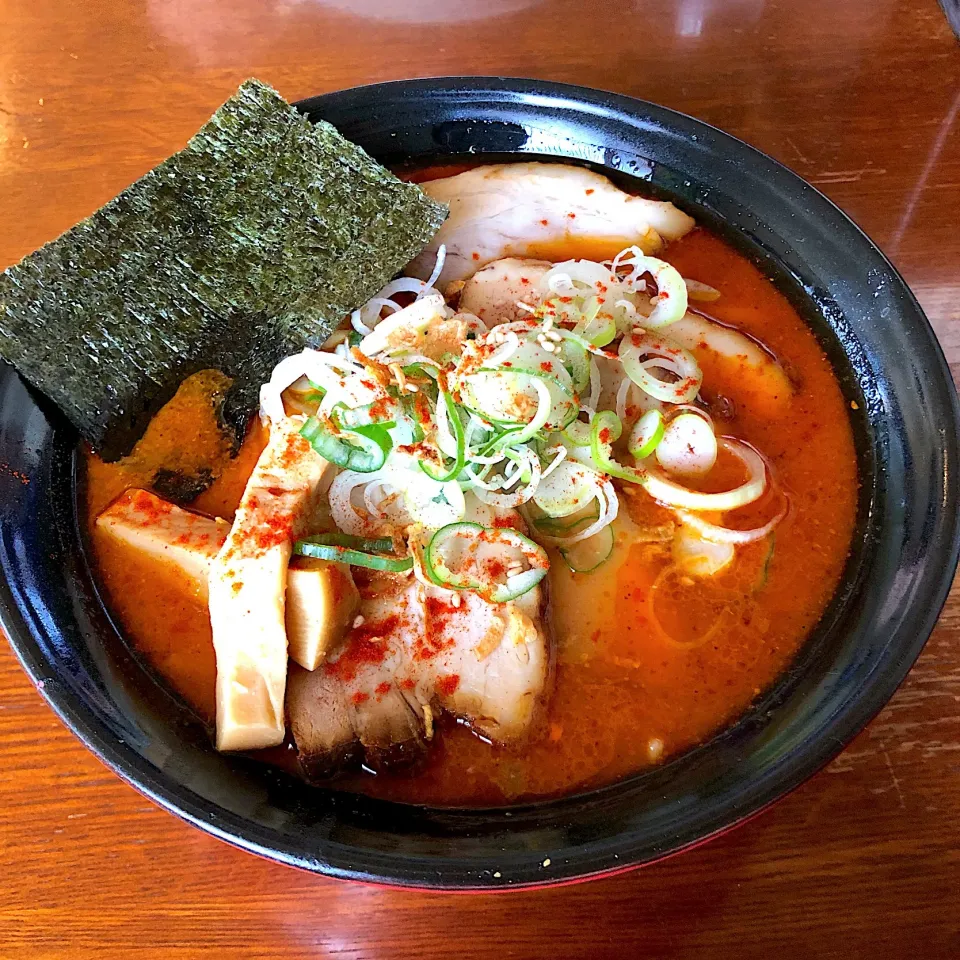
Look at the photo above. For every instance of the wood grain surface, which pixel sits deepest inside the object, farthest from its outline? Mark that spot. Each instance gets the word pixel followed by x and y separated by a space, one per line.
pixel 860 97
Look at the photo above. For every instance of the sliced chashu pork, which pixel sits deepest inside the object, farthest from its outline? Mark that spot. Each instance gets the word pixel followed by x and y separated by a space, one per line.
pixel 732 361
pixel 414 654
pixel 363 703
pixel 725 354
pixel 321 598
pixel 512 209
pixel 248 580
pixel 492 294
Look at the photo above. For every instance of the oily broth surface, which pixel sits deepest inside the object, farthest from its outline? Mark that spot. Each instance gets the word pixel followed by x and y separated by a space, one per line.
pixel 620 683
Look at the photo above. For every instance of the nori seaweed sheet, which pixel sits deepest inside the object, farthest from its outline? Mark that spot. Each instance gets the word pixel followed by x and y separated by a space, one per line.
pixel 182 487
pixel 251 243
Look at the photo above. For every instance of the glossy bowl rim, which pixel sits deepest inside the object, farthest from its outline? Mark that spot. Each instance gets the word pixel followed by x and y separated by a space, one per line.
pixel 829 740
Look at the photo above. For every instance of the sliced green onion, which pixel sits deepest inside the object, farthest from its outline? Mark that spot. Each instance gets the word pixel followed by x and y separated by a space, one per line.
pixel 689 446
pixel 663 355
pixel 601 330
pixel 328 551
pixel 407 423
pixel 577 432
pixel 544 408
pixel 519 585
pixel 456 426
pixel 505 438
pixel 354 417
pixel 433 564
pixel 418 369
pixel 666 491
pixel 363 449
pixel 589 309
pixel 604 431
pixel 595 329
pixel 569 488
pixel 586 555
pixel 570 524
pixel 498 388
pixel 315 394
pixel 437 569
pixel 378 545
pixel 646 434
pixel 576 359
pixel 670 303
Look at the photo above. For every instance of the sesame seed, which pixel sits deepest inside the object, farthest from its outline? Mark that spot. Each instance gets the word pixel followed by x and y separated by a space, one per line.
pixel 546 862
pixel 553 335
pixel 358 622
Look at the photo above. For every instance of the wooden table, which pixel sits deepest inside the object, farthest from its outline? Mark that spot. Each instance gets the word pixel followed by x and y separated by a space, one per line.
pixel 861 98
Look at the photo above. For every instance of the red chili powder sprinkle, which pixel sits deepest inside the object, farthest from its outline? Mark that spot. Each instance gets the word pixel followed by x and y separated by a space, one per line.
pixel 421 407
pixel 362 648
pixel 475 255
pixel 502 523
pixel 447 686
pixel 434 640
pixel 292 451
pixel 546 366
pixel 383 688
pixel 572 216
pixel 544 222
pixel 605 435
pixel 408 684
pixel 379 409
pixel 525 280
pixel 439 609
pixel 588 192
pixel 151 507
pixel 274 531
pixel 360 697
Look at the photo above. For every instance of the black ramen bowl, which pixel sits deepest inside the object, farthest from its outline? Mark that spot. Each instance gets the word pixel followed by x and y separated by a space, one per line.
pixel 903 409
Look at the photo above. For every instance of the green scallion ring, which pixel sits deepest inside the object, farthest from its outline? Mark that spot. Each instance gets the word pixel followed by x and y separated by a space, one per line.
pixel 379 545
pixel 357 558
